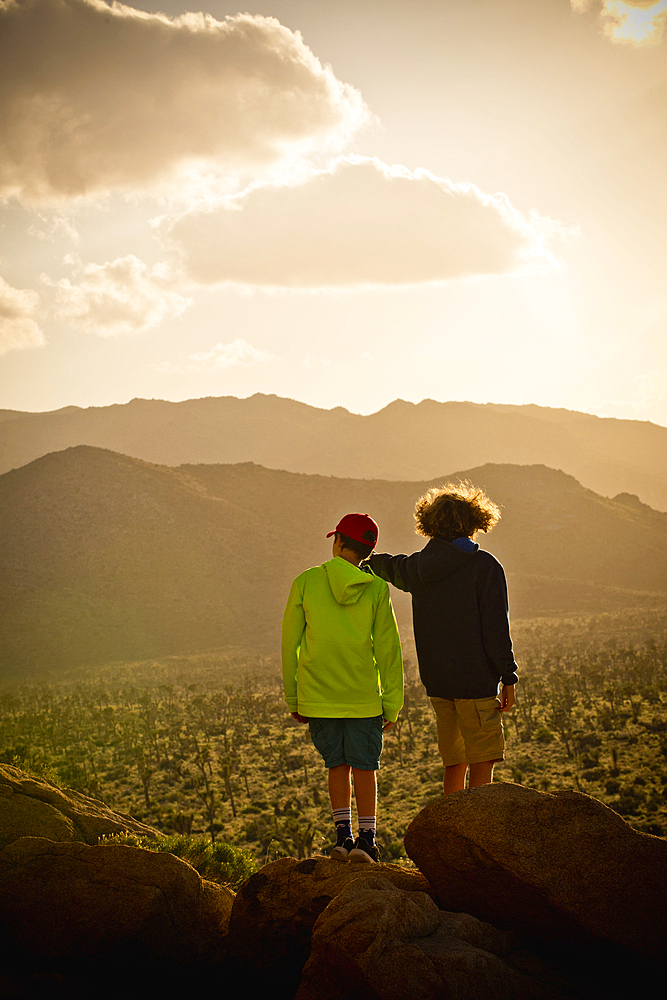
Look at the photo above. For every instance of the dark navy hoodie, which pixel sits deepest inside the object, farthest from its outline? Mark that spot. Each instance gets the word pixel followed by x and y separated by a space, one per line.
pixel 460 615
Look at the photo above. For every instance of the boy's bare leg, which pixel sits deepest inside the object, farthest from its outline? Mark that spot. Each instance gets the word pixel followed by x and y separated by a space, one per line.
pixel 455 777
pixel 481 774
pixel 365 791
pixel 339 786
pixel 365 794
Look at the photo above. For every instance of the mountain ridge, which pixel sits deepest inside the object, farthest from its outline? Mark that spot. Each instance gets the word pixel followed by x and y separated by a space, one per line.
pixel 105 557
pixel 402 442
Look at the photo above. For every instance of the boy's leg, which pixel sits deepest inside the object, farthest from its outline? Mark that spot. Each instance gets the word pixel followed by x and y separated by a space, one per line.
pixel 450 744
pixel 327 737
pixel 481 774
pixel 365 792
pixel 363 746
pixel 340 796
pixel 340 791
pixel 455 778
pixel 481 724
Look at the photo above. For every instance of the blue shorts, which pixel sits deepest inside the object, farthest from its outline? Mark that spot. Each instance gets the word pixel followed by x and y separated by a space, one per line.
pixel 356 742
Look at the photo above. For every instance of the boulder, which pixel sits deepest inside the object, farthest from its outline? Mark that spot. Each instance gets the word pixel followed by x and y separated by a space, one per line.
pixel 562 869
pixel 276 909
pixel 32 807
pixel 377 942
pixel 69 906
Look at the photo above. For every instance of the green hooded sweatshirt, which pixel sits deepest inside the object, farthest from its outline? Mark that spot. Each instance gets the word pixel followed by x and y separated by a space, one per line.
pixel 341 652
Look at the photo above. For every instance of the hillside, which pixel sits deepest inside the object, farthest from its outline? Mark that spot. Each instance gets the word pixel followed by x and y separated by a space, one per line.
pixel 403 441
pixel 105 557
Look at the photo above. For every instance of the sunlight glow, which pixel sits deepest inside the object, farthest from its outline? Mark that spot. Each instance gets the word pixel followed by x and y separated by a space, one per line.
pixel 630 23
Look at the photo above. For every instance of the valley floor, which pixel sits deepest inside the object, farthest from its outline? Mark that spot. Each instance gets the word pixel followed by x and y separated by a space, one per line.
pixel 204 745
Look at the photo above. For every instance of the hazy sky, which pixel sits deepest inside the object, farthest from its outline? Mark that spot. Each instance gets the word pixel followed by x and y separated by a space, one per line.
pixel 340 201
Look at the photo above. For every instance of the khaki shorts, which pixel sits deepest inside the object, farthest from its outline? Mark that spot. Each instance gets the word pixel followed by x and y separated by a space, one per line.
pixel 470 730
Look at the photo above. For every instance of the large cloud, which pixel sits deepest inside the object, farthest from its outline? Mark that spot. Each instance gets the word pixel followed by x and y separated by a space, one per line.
pixel 18 328
pixel 96 97
pixel 121 296
pixel 357 223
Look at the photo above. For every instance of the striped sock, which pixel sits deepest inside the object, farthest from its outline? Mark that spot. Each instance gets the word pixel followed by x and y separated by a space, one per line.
pixel 367 828
pixel 343 821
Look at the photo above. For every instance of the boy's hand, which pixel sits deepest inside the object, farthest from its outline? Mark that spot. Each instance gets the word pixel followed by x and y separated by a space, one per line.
pixel 387 725
pixel 507 697
pixel 299 718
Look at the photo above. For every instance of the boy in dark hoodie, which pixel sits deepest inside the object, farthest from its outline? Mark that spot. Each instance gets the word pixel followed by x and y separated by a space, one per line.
pixel 461 625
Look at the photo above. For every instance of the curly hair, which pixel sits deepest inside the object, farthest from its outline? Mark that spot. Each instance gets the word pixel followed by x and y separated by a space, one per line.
pixel 455 510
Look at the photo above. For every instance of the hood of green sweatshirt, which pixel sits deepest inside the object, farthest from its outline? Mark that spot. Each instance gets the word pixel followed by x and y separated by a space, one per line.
pixel 347 582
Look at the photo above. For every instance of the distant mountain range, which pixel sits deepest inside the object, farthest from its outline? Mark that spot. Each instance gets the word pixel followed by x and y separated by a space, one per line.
pixel 105 557
pixel 403 441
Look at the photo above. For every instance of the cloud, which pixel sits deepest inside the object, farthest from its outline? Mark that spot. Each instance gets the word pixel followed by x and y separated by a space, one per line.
pixel 315 362
pixel 649 388
pixel 637 23
pixel 55 228
pixel 18 329
pixel 237 354
pixel 119 297
pixel 358 223
pixel 96 98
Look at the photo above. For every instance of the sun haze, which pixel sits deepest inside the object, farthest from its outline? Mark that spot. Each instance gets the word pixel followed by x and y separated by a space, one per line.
pixel 340 203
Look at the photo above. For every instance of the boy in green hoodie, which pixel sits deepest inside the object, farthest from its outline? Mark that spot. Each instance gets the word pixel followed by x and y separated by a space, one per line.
pixel 343 675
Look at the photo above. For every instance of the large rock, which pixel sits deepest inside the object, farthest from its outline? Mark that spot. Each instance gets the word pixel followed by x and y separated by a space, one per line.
pixel 275 911
pixel 67 906
pixel 30 807
pixel 562 869
pixel 377 942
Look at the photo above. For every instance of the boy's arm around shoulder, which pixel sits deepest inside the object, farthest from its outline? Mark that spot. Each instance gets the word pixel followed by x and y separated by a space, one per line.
pixel 393 569
pixel 387 651
pixel 294 624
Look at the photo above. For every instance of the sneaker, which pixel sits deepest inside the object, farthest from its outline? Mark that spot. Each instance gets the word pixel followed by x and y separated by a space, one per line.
pixel 341 851
pixel 363 852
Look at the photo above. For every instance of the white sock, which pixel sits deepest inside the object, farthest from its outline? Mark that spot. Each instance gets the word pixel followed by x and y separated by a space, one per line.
pixel 343 822
pixel 367 825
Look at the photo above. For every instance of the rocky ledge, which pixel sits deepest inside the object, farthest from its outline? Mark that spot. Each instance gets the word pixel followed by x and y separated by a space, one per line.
pixel 515 894
pixel 30 807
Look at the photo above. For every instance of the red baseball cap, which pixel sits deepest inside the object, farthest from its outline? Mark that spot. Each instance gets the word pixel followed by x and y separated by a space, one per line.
pixel 355 525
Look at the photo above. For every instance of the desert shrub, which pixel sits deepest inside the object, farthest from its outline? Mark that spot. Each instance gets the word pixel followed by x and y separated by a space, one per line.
pixel 393 850
pixel 593 774
pixel 219 862
pixel 587 740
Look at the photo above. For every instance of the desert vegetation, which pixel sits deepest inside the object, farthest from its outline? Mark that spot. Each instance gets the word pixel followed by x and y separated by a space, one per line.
pixel 215 861
pixel 203 749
